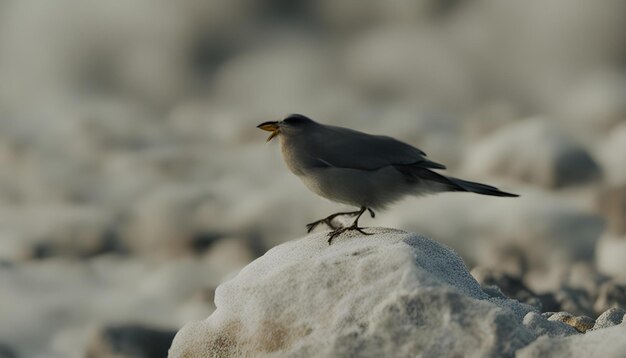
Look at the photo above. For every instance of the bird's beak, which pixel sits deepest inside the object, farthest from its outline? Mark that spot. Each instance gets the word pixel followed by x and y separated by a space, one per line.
pixel 270 127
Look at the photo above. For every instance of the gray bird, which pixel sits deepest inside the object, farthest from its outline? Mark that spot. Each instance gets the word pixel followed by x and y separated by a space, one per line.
pixel 359 169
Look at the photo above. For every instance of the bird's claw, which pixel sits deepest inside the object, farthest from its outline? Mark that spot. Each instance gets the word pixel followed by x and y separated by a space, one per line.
pixel 310 227
pixel 333 234
pixel 372 213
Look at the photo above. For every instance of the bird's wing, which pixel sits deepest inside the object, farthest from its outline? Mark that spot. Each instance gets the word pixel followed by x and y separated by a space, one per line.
pixel 346 148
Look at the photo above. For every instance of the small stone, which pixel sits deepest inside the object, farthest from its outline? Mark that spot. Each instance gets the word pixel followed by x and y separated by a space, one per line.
pixel 583 323
pixel 541 326
pixel 607 342
pixel 611 317
pixel 580 323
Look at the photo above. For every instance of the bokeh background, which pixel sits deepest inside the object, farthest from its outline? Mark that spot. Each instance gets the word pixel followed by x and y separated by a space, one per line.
pixel 133 180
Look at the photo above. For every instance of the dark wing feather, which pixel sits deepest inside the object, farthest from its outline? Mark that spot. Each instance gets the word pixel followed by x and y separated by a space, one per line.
pixel 345 148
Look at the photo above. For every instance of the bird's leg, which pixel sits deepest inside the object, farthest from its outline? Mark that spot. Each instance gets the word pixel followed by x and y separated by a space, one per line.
pixel 329 220
pixel 354 226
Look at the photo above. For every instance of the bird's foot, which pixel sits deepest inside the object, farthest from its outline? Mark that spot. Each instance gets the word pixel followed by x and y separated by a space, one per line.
pixel 313 225
pixel 329 220
pixel 333 234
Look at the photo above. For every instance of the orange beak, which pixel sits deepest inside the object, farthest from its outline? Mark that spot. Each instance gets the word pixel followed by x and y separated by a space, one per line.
pixel 270 127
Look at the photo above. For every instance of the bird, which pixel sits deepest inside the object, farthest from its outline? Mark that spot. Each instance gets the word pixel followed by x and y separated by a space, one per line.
pixel 359 169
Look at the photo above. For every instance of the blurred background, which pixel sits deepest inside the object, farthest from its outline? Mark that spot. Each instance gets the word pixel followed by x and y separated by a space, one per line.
pixel 133 180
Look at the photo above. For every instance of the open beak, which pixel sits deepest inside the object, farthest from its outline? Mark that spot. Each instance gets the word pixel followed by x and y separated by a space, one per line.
pixel 270 127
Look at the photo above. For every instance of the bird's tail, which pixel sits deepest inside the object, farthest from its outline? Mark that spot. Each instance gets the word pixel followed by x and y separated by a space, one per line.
pixel 479 188
pixel 445 183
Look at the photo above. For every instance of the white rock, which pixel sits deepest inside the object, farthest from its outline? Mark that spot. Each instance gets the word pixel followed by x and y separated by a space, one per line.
pixel 552 328
pixel 534 151
pixel 580 323
pixel 611 317
pixel 392 294
pixel 607 342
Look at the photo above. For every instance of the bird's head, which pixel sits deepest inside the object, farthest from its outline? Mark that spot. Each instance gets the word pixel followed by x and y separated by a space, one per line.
pixel 292 124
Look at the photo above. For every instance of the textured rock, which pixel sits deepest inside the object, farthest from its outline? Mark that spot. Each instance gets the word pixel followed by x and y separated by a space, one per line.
pixel 607 342
pixel 543 326
pixel 611 317
pixel 390 294
pixel 580 323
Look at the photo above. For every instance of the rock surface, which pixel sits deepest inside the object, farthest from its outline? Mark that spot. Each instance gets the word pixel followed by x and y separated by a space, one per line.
pixel 390 294
pixel 543 326
pixel 580 323
pixel 608 342
pixel 612 317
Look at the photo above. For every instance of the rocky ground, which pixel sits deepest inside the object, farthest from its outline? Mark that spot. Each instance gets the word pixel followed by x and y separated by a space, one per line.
pixel 133 180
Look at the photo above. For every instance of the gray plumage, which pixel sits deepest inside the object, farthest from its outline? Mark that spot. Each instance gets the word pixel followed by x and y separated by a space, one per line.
pixel 359 169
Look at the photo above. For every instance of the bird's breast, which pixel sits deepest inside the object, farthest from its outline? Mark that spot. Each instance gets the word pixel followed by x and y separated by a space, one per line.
pixel 297 159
